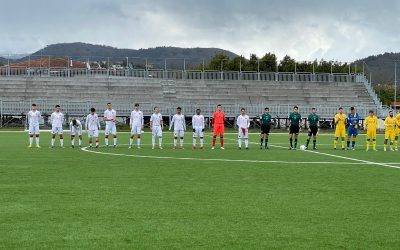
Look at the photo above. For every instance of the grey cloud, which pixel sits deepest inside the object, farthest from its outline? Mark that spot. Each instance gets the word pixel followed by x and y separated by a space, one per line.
pixel 308 29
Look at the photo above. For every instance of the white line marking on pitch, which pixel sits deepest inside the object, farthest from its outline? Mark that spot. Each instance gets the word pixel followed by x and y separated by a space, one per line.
pixel 360 162
pixel 209 159
pixel 338 156
pixel 347 158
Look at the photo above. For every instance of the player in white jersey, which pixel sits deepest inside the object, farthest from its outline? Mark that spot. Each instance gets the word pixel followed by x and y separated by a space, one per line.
pixel 156 126
pixel 57 120
pixel 110 117
pixel 136 124
pixel 33 119
pixel 92 127
pixel 75 127
pixel 198 128
pixel 243 123
pixel 179 123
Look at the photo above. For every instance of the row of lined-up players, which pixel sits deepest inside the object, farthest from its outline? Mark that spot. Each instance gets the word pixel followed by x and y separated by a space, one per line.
pixel 92 126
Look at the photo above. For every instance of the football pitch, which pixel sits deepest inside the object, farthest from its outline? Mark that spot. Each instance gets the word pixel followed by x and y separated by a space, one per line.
pixel 120 198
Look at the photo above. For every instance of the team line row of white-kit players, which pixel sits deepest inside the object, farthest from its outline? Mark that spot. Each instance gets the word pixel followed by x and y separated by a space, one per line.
pixel 92 126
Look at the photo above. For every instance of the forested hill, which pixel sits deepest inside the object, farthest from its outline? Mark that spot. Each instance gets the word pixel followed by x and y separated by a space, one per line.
pixel 91 50
pixel 382 67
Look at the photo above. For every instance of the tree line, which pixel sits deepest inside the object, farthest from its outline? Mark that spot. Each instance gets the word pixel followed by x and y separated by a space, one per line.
pixel 269 63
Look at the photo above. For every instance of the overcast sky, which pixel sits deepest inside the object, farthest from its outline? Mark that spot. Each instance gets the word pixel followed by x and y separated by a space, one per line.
pixel 336 29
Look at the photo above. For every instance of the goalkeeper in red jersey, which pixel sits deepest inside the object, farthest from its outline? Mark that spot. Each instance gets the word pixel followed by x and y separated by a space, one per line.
pixel 218 121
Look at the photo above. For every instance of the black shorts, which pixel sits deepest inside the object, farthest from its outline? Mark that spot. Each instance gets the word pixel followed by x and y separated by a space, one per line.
pixel 294 129
pixel 313 131
pixel 265 129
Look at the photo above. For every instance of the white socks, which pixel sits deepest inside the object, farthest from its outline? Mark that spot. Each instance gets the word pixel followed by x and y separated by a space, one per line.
pixel 195 141
pixel 246 142
pixel 180 142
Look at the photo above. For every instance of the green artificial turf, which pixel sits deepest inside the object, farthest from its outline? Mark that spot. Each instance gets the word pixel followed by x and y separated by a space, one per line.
pixel 120 198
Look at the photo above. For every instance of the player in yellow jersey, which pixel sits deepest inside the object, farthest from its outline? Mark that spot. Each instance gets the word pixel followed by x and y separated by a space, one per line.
pixel 340 123
pixel 371 124
pixel 397 132
pixel 390 124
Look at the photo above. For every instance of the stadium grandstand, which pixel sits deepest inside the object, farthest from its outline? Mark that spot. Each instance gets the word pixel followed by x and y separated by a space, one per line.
pixel 78 85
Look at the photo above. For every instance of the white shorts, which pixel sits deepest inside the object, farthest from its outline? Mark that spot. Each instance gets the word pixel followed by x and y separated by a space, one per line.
pixel 34 130
pixel 76 130
pixel 110 129
pixel 57 130
pixel 93 133
pixel 243 133
pixel 156 131
pixel 198 132
pixel 136 129
pixel 179 133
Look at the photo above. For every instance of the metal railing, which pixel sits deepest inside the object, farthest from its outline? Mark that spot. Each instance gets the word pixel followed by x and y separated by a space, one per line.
pixel 7 71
